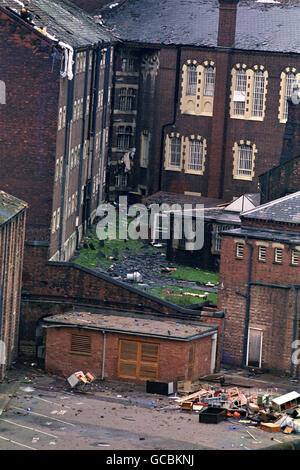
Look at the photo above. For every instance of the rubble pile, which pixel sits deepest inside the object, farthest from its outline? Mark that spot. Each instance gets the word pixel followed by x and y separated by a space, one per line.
pixel 270 411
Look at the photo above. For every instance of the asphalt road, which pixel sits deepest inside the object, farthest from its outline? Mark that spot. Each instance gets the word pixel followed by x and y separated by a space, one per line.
pixel 48 416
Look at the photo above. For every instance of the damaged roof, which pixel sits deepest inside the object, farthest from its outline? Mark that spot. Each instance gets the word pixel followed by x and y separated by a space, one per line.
pixel 133 324
pixel 285 209
pixel 64 20
pixel 10 206
pixel 260 25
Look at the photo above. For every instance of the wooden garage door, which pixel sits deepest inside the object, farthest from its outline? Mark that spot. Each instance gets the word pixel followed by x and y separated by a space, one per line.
pixel 138 360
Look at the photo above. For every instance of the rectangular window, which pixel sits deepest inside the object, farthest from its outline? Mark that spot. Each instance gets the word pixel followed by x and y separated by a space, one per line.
pixel 217 237
pixel 138 360
pixel 245 160
pixel 191 86
pixel 289 83
pixel 258 94
pixel 124 137
pixel 53 222
pixel 262 251
pixel 175 152
pixel 196 155
pixel 278 255
pixel 295 257
pixel 81 344
pixel 126 99
pixel 209 81
pixel 240 92
pixel 240 250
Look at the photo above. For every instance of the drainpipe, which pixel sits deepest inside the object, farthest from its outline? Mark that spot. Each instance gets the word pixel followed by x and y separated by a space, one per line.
pixel 3 280
pixel 103 354
pixel 248 299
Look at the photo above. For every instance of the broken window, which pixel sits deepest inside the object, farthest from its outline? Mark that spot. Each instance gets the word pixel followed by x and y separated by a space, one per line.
pixel 124 137
pixel 240 92
pixel 126 99
pixel 290 80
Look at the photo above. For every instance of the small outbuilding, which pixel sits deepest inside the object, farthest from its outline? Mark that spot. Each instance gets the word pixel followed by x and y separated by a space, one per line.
pixel 130 348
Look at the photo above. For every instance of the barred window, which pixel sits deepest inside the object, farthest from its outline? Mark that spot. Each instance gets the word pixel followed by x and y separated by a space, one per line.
pixel 124 137
pixel 258 93
pixel 175 152
pixel 196 155
pixel 191 86
pixel 121 181
pixel 217 237
pixel 209 81
pixel 240 250
pixel 295 257
pixel 278 255
pixel 240 92
pixel 290 81
pixel 262 251
pixel 126 99
pixel 245 160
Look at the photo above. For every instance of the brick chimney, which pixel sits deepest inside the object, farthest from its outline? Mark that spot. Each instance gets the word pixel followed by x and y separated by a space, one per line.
pixel 91 5
pixel 227 22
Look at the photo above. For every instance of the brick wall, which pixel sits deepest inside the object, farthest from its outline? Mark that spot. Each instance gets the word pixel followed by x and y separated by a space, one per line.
pixel 173 355
pixel 12 236
pixel 272 308
pixel 28 122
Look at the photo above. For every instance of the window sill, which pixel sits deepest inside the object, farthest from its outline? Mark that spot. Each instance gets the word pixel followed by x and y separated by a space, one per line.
pixel 238 258
pixel 277 262
pixel 244 178
pixel 172 169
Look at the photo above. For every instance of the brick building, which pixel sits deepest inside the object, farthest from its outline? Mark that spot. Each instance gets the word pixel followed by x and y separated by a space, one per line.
pixel 12 236
pixel 259 286
pixel 200 92
pixel 129 347
pixel 56 82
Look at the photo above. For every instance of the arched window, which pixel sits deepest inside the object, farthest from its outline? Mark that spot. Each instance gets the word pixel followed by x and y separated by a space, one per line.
pixel 290 79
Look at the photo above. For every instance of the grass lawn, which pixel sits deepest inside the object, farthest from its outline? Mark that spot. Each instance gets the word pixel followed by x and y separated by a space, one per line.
pixel 115 251
pixel 187 273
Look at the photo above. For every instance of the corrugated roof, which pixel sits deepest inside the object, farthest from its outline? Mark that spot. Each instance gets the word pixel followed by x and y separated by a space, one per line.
pixel 65 21
pixel 9 207
pixel 260 25
pixel 285 209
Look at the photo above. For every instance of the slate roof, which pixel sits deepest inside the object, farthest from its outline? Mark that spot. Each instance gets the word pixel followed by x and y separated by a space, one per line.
pixel 65 21
pixel 10 206
pixel 285 209
pixel 288 237
pixel 133 324
pixel 261 26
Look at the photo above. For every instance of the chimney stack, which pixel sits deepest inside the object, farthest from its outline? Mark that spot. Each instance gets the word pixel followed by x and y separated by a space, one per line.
pixel 227 22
